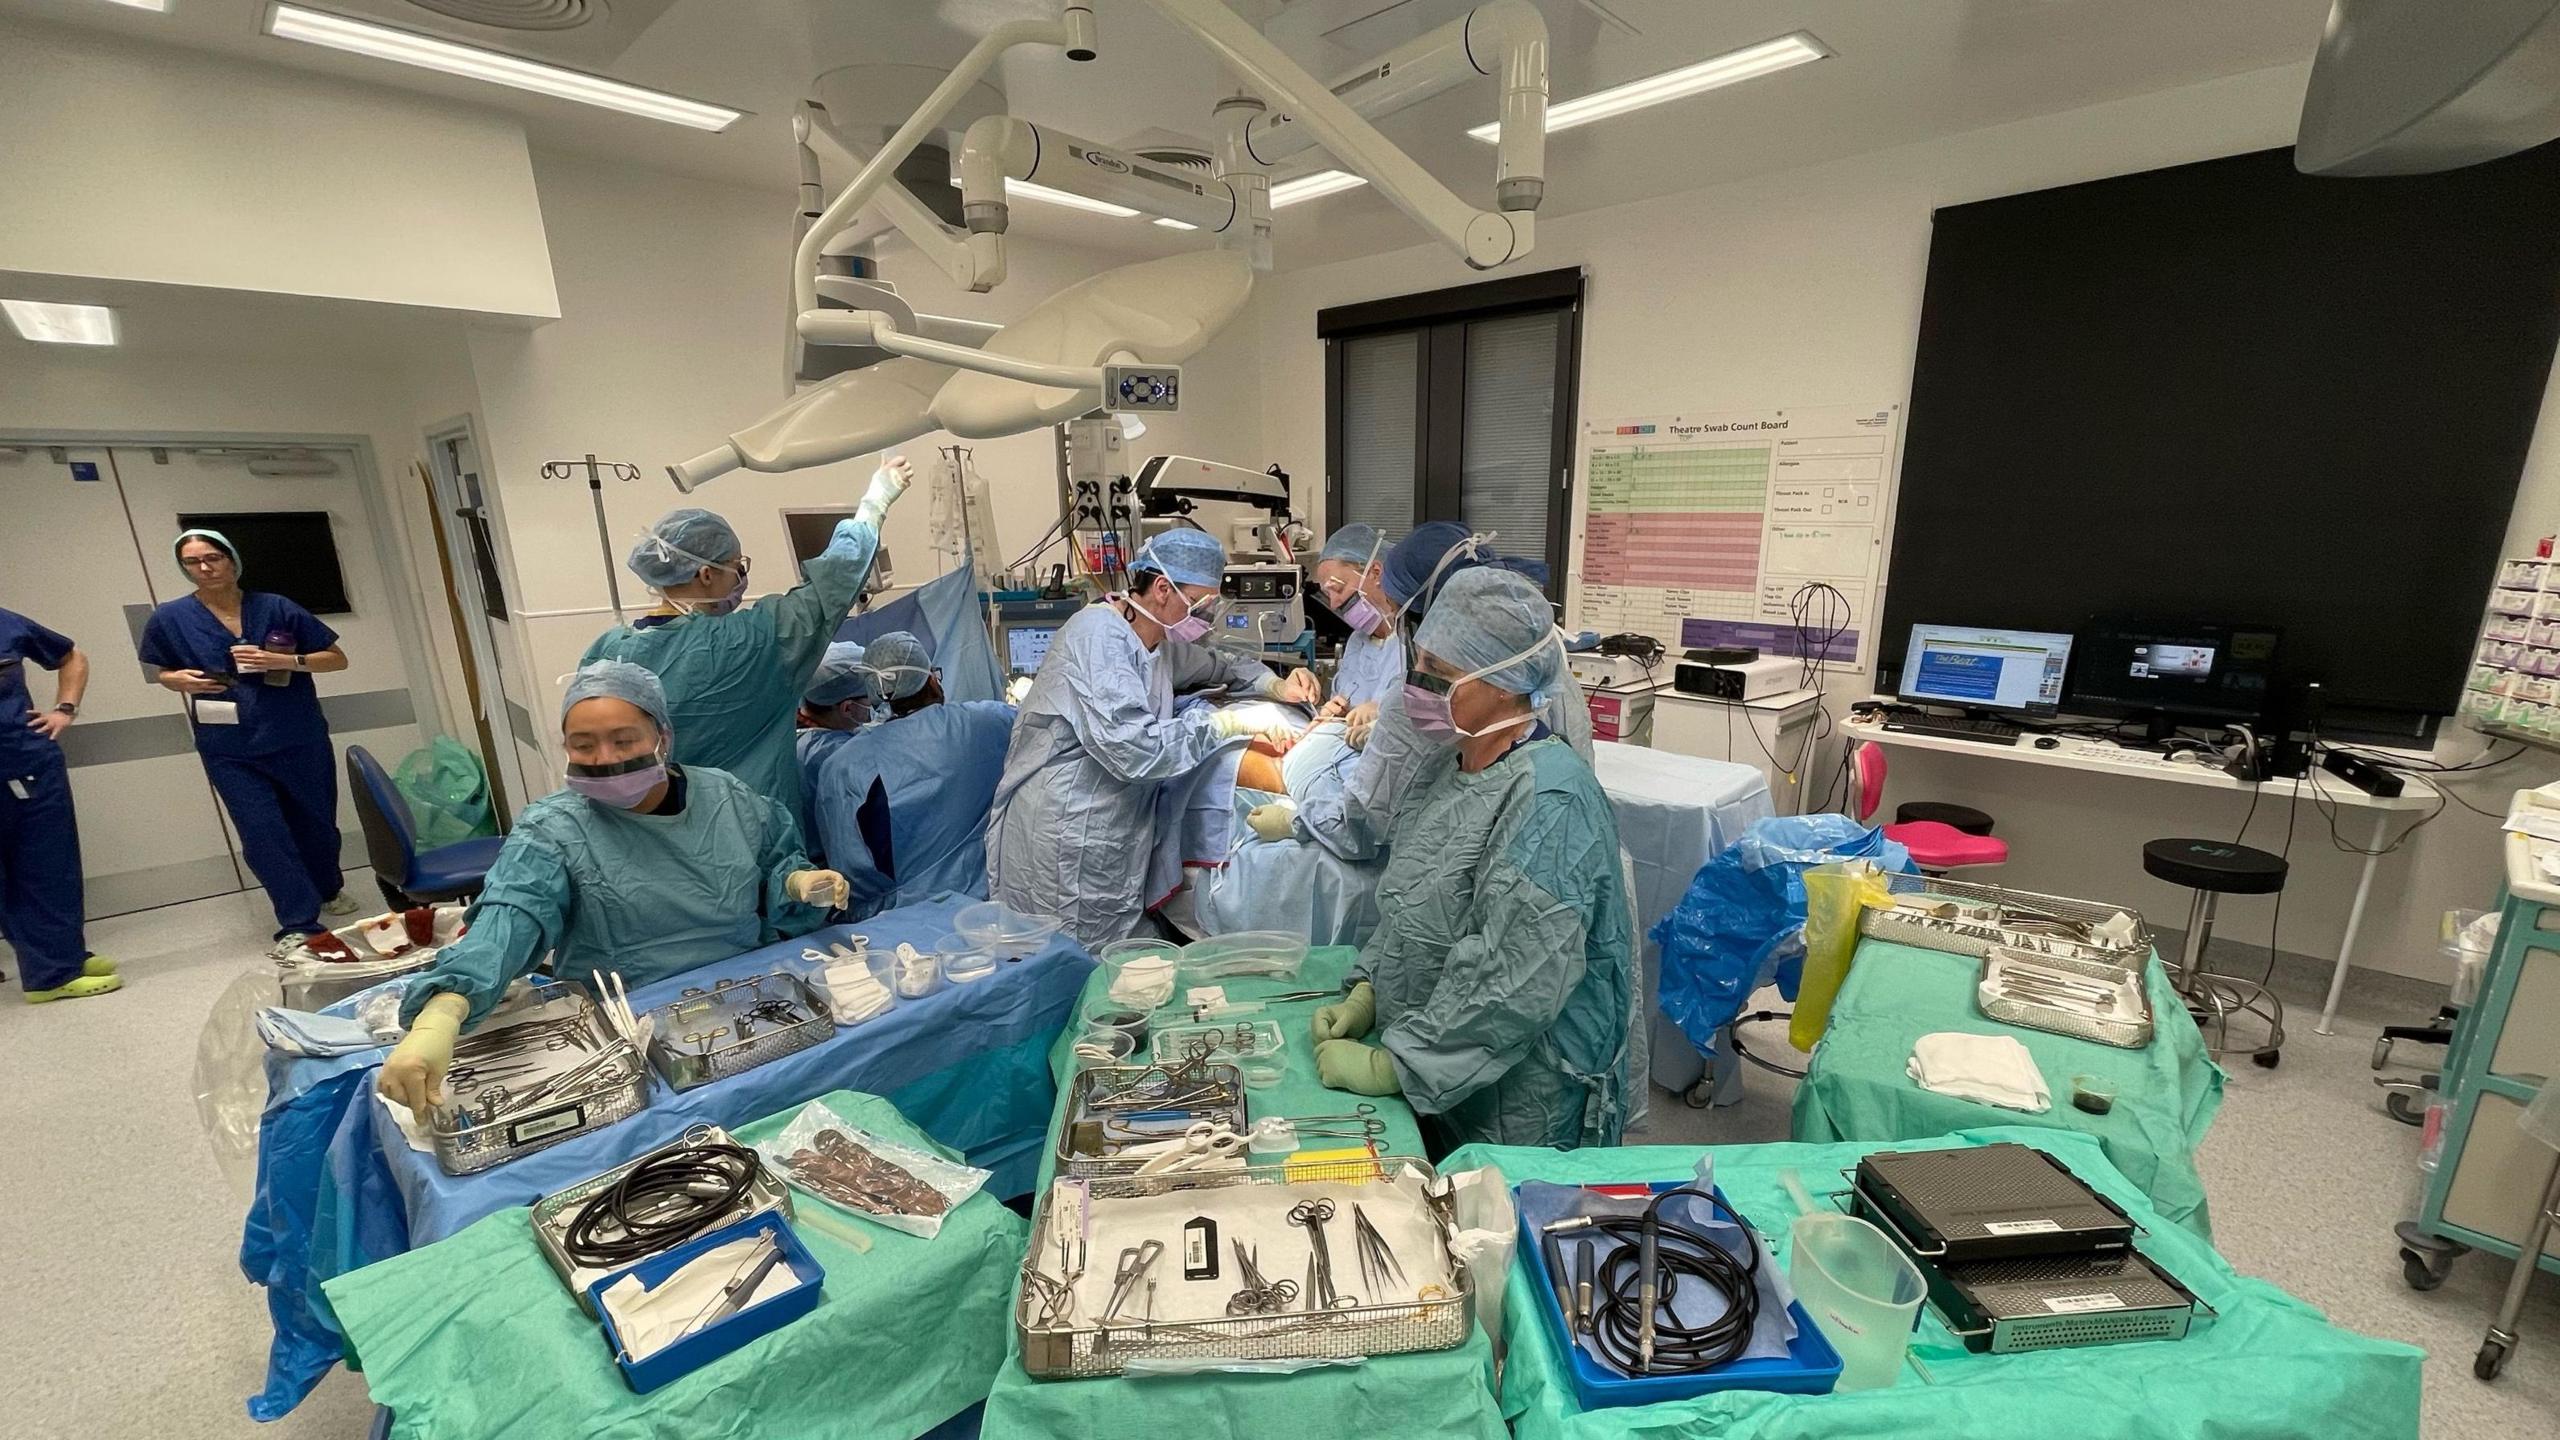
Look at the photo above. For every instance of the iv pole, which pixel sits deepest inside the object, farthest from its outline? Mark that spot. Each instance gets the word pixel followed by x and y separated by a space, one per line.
pixel 596 471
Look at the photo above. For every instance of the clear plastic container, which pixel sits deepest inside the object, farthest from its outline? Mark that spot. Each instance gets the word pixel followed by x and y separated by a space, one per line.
pixel 1141 974
pixel 1103 1047
pixel 1002 931
pixel 914 973
pixel 1861 1290
pixel 964 961
pixel 1105 1013
pixel 856 988
pixel 2469 937
pixel 1272 953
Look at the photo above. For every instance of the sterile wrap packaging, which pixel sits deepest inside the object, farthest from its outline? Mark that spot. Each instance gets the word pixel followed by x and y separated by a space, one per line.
pixel 1834 897
pixel 813 1132
pixel 1488 1232
pixel 231 1076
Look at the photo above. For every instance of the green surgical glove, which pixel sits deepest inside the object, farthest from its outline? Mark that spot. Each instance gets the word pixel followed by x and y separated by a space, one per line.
pixel 413 1074
pixel 1275 821
pixel 1359 1068
pixel 1351 1018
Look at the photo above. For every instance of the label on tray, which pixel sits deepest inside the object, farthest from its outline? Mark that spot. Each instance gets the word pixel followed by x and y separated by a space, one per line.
pixel 542 1127
pixel 2083 1304
pixel 2020 1227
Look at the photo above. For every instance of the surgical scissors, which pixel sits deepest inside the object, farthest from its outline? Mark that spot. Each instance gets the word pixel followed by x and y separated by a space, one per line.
pixel 1203 1144
pixel 1133 1267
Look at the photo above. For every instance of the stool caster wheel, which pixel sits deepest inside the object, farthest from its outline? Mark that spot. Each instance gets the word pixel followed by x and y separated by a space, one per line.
pixel 2403 1106
pixel 2424 1271
pixel 2381 1052
pixel 1700 1095
pixel 2491 1359
pixel 2266 1059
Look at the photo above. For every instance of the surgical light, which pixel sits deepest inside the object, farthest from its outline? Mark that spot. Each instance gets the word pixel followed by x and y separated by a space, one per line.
pixel 53 324
pixel 1025 190
pixel 160 6
pixel 1308 187
pixel 381 42
pixel 1749 63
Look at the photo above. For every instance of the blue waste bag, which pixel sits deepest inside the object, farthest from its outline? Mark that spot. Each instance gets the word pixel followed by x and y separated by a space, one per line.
pixel 1742 923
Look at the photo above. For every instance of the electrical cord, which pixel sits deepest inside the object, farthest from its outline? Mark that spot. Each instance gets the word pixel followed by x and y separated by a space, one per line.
pixel 1684 1256
pixel 659 1203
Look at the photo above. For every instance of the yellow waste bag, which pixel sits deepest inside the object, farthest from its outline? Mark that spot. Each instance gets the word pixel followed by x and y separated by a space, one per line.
pixel 1834 895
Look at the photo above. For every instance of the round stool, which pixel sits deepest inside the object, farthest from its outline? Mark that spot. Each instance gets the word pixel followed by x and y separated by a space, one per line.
pixel 2212 869
pixel 1962 817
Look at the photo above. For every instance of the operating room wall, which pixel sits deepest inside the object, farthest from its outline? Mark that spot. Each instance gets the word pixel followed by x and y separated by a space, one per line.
pixel 131 161
pixel 1804 288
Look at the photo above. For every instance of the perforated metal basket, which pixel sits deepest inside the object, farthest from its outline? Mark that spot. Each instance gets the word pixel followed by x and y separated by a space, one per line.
pixel 1964 917
pixel 1101 1160
pixel 2128 1027
pixel 1065 1352
pixel 742 1041
pixel 553 1212
pixel 474 1132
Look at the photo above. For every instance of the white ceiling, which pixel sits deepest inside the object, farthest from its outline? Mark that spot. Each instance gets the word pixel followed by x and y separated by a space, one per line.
pixel 1903 70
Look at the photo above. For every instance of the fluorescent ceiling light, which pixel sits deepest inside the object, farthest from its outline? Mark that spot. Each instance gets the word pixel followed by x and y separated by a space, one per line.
pixel 1750 63
pixel 1025 190
pixel 62 324
pixel 162 6
pixel 381 42
pixel 1170 223
pixel 1308 187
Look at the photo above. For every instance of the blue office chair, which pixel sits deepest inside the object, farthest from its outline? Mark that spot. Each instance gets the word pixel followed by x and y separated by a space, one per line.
pixel 408 878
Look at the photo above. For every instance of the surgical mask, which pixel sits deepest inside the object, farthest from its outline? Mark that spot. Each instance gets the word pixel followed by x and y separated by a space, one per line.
pixel 1193 627
pixel 1426 698
pixel 622 784
pixel 1359 614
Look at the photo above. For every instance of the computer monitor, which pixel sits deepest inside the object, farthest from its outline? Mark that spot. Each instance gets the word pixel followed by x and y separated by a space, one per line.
pixel 2173 671
pixel 1980 669
pixel 1025 646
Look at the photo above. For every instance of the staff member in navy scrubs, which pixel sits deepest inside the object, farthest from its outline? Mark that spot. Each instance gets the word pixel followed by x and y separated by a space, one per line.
pixel 39 843
pixel 244 659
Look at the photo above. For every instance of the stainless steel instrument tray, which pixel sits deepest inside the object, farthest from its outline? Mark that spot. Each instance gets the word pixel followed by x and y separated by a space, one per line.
pixel 2127 1026
pixel 552 1213
pixel 1964 917
pixel 745 1041
pixel 475 1131
pixel 1101 1160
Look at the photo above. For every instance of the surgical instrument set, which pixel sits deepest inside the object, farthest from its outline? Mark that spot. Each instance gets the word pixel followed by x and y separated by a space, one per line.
pixel 541 1069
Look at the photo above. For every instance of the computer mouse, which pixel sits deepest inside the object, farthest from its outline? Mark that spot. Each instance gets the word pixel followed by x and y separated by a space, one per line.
pixel 2047 742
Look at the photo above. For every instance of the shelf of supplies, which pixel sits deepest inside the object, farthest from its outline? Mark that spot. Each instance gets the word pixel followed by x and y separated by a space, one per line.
pixel 2521 737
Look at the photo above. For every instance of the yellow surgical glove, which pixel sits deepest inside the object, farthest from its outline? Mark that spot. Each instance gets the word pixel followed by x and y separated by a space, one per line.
pixel 824 889
pixel 1349 1018
pixel 1275 821
pixel 413 1074
pixel 1358 1068
pixel 1357 725
pixel 1254 721
pixel 1302 688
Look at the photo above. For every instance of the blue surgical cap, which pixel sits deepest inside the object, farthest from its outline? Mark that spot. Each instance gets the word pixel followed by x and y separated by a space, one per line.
pixel 840 676
pixel 217 540
pixel 685 541
pixel 1409 565
pixel 898 660
pixel 619 680
pixel 1186 556
pixel 1484 619
pixel 1352 545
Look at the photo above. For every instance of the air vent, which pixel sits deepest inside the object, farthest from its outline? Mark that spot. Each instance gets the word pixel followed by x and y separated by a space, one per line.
pixel 581 34
pixel 520 14
pixel 1186 160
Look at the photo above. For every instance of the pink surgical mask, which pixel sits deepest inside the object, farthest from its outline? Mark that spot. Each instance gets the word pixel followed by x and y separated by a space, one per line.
pixel 1193 627
pixel 622 784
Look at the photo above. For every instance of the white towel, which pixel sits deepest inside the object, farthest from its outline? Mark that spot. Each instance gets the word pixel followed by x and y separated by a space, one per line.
pixel 1992 1069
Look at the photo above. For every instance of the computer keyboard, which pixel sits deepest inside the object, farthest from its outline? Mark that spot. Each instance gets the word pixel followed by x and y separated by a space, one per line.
pixel 1989 732
pixel 2120 755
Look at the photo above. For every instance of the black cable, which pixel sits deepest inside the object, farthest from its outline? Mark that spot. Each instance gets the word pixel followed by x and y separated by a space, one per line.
pixel 659 1203
pixel 1685 1256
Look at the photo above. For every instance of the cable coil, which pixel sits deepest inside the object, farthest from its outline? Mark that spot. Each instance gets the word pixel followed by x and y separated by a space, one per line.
pixel 661 1202
pixel 1685 1256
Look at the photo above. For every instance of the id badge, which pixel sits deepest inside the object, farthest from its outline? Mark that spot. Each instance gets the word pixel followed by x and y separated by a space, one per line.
pixel 217 712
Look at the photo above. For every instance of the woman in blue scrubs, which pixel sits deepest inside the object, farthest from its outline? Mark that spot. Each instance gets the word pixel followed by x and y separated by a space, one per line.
pixel 40 899
pixel 244 661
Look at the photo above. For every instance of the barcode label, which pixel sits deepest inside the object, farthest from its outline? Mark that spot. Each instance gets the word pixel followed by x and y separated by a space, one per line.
pixel 2020 1227
pixel 2081 1304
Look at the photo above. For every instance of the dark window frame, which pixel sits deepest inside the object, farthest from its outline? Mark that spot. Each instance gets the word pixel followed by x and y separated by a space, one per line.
pixel 1442 318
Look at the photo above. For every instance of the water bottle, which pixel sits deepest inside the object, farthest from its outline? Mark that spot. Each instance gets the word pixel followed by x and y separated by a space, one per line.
pixel 280 641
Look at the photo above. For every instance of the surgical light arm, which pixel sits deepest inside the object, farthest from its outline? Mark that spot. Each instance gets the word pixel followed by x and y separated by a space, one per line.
pixel 921 228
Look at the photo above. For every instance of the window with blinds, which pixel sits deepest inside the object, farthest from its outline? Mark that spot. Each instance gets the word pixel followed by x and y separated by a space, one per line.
pixel 1457 405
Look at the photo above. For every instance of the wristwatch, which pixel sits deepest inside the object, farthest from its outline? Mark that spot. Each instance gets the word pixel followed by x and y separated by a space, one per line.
pixel 68 707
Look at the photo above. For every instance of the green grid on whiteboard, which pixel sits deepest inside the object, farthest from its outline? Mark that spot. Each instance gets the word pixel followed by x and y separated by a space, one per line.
pixel 1682 477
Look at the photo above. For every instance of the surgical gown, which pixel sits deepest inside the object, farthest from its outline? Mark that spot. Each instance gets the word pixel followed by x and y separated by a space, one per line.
pixel 1077 816
pixel 646 895
pixel 1504 960
pixel 734 681
pixel 1370 669
pixel 938 767
pixel 1353 816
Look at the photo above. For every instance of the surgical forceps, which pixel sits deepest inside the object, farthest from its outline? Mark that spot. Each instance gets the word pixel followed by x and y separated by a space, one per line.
pixel 1134 1264
pixel 1258 1297
pixel 1311 1215
pixel 1361 1124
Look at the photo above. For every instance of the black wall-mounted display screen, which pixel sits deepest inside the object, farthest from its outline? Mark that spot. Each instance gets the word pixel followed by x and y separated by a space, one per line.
pixel 2231 393
pixel 283 552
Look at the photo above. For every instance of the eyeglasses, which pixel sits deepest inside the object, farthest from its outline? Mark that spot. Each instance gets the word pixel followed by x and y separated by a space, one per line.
pixel 1425 680
pixel 201 562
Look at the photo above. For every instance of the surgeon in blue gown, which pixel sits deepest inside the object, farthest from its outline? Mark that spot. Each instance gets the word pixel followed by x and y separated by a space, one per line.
pixel 1078 809
pixel 244 661
pixel 735 672
pixel 1498 993
pixel 641 866
pixel 935 762
pixel 1349 577
pixel 40 890
pixel 838 702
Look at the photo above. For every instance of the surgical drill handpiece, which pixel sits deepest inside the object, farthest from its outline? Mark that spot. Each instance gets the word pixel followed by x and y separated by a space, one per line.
pixel 1556 1272
pixel 1648 1274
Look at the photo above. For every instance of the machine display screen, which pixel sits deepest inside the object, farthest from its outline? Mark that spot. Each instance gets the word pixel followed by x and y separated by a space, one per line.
pixel 2167 661
pixel 1985 669
pixel 1025 646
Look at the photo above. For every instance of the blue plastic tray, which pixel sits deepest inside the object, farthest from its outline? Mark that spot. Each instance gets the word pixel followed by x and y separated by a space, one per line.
pixel 1810 1367
pixel 704 1346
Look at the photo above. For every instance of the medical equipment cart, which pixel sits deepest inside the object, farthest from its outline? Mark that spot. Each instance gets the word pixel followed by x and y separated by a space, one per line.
pixel 2496 1187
